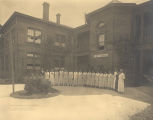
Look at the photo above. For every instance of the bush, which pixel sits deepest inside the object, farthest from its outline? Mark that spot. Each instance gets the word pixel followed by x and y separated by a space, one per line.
pixel 35 84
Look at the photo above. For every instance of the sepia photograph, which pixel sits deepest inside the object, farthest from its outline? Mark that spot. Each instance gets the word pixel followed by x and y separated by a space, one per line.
pixel 76 59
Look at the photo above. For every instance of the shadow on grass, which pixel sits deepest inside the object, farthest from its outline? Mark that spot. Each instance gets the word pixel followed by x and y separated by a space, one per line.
pixel 24 95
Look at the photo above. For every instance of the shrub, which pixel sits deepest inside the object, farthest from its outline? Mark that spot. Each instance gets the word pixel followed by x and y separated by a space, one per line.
pixel 36 84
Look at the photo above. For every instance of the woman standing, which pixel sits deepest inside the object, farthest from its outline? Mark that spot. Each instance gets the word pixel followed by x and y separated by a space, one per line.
pixel 121 82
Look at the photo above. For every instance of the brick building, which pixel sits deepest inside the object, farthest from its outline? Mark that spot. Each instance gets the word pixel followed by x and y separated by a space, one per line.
pixel 118 35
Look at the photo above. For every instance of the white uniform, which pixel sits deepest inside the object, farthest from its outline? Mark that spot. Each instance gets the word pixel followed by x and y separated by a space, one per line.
pixel 92 79
pixel 105 80
pixel 66 78
pixel 71 78
pixel 114 80
pixel 109 81
pixel 56 78
pixel 60 77
pixel 121 82
pixel 47 75
pixel 87 81
pixel 83 78
pixel 52 78
pixel 75 79
pixel 99 80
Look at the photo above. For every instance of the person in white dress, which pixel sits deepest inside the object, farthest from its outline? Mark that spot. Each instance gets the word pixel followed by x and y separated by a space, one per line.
pixel 99 80
pixel 60 77
pixel 64 78
pixel 93 79
pixel 105 80
pixel 70 78
pixel 109 81
pixel 87 81
pixel 102 80
pixel 121 82
pixel 52 78
pixel 114 80
pixel 56 78
pixel 47 75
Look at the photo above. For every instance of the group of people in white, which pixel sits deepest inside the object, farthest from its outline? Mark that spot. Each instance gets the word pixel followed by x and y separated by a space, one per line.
pixel 114 81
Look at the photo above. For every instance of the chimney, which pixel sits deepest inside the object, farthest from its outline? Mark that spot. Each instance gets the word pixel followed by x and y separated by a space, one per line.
pixel 58 18
pixel 46 11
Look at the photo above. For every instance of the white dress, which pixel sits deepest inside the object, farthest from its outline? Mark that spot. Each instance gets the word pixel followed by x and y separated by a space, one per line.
pixel 100 80
pixel 52 78
pixel 56 78
pixel 121 82
pixel 114 80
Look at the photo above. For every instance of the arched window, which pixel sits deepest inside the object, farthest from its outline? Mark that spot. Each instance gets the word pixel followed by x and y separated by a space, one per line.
pixel 101 24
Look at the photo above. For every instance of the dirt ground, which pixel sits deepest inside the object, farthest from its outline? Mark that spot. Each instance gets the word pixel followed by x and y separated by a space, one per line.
pixel 79 103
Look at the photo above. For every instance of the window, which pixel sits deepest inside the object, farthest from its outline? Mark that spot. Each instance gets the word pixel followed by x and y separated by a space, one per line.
pixel 38 41
pixel 34 36
pixel 30 39
pixel 29 66
pixel 34 66
pixel 60 41
pixel 63 44
pixel 57 44
pixel 30 32
pixel 30 55
pixel 101 41
pixel 33 55
pixel 37 55
pixel 101 24
pixel 37 67
pixel 37 33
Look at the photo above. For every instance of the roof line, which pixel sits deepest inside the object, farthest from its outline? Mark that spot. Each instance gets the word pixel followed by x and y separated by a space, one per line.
pixel 108 6
pixel 38 19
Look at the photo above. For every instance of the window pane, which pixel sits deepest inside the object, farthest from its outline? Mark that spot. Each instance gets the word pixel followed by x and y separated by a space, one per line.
pixel 30 32
pixel 37 55
pixel 37 33
pixel 38 41
pixel 63 44
pixel 30 55
pixel 29 67
pixel 30 39
pixel 101 39
pixel 101 24
pixel 37 67
pixel 57 44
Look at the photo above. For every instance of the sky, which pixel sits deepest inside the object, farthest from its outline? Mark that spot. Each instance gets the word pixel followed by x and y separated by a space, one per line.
pixel 72 11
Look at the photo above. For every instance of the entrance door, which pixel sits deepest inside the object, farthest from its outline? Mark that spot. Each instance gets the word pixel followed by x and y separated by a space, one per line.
pixel 83 63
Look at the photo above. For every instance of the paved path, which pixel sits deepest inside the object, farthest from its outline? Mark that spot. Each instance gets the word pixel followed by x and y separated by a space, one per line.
pixel 73 103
